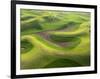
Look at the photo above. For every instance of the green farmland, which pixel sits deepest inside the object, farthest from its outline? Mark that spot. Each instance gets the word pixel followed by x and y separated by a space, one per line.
pixel 54 39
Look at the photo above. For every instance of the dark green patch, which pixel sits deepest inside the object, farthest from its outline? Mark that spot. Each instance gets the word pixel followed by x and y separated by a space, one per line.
pixel 62 63
pixel 26 46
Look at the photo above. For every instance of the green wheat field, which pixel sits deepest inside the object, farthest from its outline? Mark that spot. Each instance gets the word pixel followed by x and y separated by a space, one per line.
pixel 54 39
